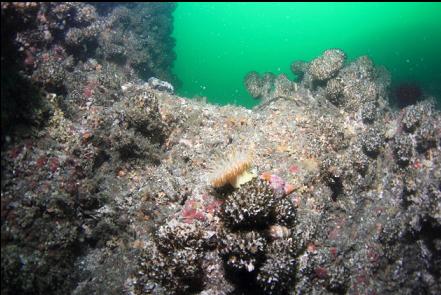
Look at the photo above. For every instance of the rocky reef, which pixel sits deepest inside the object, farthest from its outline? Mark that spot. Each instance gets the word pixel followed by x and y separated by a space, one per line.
pixel 110 191
pixel 80 51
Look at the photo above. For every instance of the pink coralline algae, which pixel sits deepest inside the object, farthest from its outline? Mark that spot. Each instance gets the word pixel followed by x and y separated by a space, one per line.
pixel 293 169
pixel 198 210
pixel 333 252
pixel 29 59
pixel 89 89
pixel 192 211
pixel 41 161
pixel 213 206
pixel 15 151
pixel 321 272
pixel 54 163
pixel 277 183
pixel 289 188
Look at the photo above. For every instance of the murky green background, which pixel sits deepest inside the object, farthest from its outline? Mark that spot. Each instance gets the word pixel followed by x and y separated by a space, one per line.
pixel 218 43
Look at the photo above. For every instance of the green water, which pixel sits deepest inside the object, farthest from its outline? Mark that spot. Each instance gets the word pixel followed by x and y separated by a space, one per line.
pixel 218 43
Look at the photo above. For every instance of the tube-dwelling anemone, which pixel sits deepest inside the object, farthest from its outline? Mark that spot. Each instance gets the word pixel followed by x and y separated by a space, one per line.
pixel 232 169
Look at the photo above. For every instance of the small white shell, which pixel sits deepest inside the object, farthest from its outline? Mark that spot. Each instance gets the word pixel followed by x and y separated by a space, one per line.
pixel 278 232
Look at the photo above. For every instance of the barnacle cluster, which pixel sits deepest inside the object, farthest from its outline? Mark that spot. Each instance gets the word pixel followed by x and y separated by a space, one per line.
pixel 278 271
pixel 178 271
pixel 256 204
pixel 243 250
pixel 284 212
pixel 269 86
pixel 256 240
pixel 259 86
pixel 173 261
pixel 251 246
pixel 252 204
pixel 174 235
pixel 327 65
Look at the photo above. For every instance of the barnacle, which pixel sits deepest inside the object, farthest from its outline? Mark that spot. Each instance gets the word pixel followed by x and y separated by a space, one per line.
pixel 178 271
pixel 276 275
pixel 250 205
pixel 233 170
pixel 242 250
pixel 285 212
pixel 175 235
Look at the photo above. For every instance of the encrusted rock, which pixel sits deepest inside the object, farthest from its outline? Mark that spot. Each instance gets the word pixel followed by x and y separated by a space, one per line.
pixel 327 65
pixel 157 84
pixel 250 205
pixel 242 250
pixel 277 274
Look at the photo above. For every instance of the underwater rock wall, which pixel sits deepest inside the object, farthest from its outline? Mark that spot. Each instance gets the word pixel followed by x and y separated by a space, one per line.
pixel 63 67
pixel 78 50
pixel 126 188
pixel 341 191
